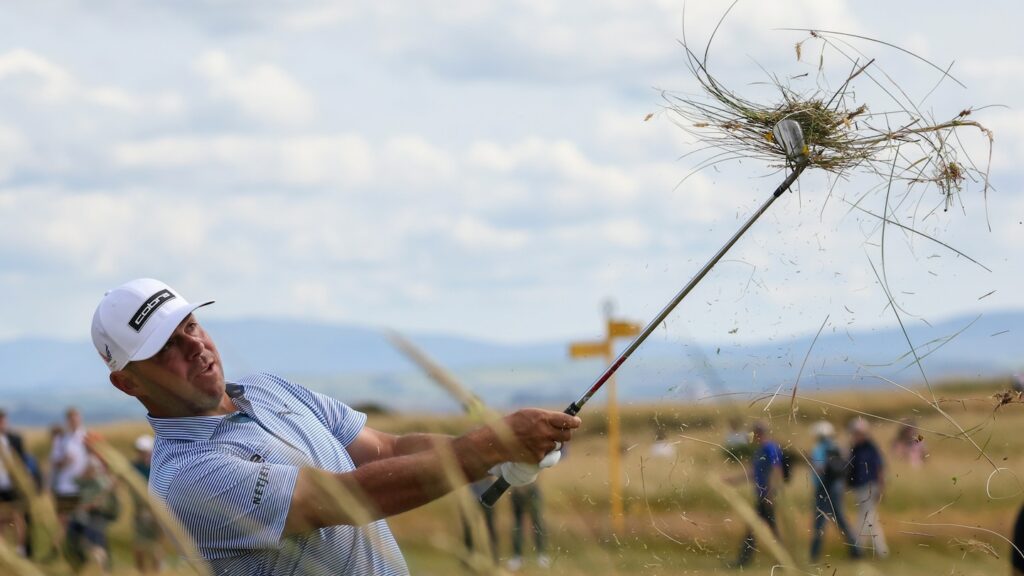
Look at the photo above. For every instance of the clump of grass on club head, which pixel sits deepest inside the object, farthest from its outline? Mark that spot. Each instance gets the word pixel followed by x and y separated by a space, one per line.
pixel 840 134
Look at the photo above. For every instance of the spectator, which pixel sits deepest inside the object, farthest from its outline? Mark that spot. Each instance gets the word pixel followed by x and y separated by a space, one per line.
pixel 12 501
pixel 736 439
pixel 768 479
pixel 146 544
pixel 828 476
pixel 97 507
pixel 662 448
pixel 477 489
pixel 908 445
pixel 1017 545
pixel 50 472
pixel 527 500
pixel 866 478
pixel 68 458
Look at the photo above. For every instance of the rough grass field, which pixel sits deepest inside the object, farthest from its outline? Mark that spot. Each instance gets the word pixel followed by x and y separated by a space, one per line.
pixel 937 517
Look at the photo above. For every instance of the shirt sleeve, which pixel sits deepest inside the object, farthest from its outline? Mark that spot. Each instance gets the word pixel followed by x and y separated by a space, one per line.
pixel 228 503
pixel 343 422
pixel 819 457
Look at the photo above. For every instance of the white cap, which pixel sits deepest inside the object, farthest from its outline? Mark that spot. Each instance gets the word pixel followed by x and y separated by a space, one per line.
pixel 859 424
pixel 144 443
pixel 823 429
pixel 134 321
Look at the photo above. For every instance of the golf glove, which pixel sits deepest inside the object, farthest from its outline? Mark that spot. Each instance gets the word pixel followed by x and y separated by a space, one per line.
pixel 521 473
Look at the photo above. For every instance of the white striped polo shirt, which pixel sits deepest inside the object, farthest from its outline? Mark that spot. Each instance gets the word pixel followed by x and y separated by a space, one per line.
pixel 229 480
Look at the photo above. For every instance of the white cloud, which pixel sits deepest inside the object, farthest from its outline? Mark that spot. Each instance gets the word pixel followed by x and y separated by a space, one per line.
pixel 632 136
pixel 121 100
pixel 566 41
pixel 1008 67
pixel 98 233
pixel 50 81
pixel 311 294
pixel 413 160
pixel 609 232
pixel 323 15
pixel 478 235
pixel 575 180
pixel 114 98
pixel 491 156
pixel 12 150
pixel 628 233
pixel 264 92
pixel 1008 147
pixel 53 83
pixel 295 160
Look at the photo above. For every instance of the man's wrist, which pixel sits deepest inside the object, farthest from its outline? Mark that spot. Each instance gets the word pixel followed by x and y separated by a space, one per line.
pixel 477 452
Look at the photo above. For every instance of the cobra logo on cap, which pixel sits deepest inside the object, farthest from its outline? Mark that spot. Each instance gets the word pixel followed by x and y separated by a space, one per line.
pixel 145 311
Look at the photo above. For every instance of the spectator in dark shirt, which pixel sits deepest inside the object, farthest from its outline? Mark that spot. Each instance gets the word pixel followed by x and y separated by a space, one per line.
pixel 1017 545
pixel 867 481
pixel 828 476
pixel 768 476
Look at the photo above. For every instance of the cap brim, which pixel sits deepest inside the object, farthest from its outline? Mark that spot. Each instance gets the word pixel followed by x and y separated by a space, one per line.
pixel 163 332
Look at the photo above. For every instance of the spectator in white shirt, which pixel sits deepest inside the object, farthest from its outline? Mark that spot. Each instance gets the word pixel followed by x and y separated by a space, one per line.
pixel 69 459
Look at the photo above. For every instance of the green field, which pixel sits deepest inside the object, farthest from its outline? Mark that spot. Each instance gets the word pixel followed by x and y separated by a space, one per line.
pixel 937 518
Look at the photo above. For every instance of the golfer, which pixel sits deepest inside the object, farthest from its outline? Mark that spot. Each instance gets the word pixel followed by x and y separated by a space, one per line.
pixel 251 467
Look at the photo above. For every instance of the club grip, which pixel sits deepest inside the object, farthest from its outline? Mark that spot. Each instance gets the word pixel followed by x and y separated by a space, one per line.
pixel 500 486
pixel 489 497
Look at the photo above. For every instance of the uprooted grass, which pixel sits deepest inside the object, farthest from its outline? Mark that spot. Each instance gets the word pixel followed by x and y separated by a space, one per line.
pixel 841 134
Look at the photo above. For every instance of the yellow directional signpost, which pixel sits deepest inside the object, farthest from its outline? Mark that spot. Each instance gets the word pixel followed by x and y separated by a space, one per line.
pixel 615 328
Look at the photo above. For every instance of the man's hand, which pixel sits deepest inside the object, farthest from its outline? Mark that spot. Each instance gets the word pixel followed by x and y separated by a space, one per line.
pixel 529 435
pixel 521 473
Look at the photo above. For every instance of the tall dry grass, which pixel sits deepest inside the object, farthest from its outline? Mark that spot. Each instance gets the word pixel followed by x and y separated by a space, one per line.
pixel 936 517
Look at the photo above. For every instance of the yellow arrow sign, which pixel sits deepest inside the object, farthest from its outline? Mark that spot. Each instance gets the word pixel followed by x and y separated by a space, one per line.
pixel 623 329
pixel 589 349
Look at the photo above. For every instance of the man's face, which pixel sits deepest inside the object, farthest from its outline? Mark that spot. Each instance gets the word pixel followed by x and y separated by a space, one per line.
pixel 185 378
pixel 74 419
pixel 3 423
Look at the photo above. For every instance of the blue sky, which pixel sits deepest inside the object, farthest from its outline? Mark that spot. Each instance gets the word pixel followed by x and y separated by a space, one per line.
pixel 479 169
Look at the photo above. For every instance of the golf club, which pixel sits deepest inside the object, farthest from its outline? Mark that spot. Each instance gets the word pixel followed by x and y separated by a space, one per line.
pixel 788 134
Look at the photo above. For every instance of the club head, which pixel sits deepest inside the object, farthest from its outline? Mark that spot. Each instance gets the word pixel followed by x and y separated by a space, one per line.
pixel 789 135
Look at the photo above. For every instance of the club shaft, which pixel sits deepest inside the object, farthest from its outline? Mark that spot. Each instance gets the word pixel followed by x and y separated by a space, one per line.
pixel 576 406
pixel 491 495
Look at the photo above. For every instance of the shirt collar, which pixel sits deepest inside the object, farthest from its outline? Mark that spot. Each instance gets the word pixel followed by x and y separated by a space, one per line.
pixel 186 427
pixel 192 427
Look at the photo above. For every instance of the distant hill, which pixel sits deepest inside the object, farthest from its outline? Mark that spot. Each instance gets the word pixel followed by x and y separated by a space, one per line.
pixel 357 364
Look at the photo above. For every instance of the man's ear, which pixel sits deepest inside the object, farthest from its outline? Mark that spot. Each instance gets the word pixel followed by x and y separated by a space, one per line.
pixel 126 382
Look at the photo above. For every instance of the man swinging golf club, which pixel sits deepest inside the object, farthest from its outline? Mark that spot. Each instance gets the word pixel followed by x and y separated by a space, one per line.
pixel 251 467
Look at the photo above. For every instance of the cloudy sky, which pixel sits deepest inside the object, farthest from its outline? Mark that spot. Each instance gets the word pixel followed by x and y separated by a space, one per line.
pixel 476 168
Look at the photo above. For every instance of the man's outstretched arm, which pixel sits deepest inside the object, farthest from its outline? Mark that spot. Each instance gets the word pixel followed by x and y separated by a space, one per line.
pixel 372 445
pixel 391 485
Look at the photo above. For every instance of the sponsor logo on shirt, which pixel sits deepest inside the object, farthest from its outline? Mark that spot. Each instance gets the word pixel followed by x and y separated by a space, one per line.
pixel 262 479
